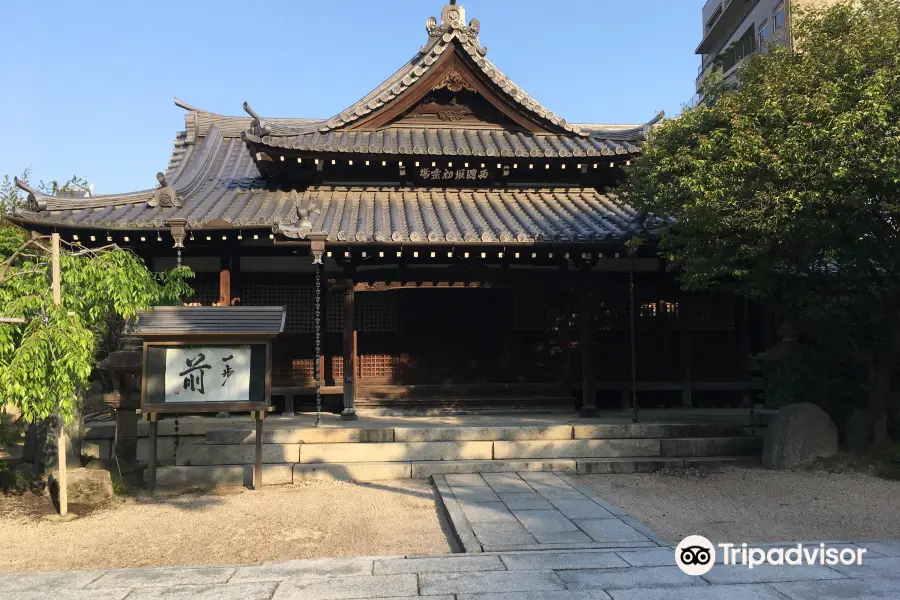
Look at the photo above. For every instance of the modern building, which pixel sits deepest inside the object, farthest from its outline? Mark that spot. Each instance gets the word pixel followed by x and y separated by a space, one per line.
pixel 735 29
pixel 475 249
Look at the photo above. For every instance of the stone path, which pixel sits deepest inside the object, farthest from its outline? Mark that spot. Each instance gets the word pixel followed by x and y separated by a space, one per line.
pixel 493 512
pixel 631 574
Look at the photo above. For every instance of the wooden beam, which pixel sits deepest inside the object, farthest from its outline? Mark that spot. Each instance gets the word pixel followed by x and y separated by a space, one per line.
pixel 224 287
pixel 349 412
pixel 61 440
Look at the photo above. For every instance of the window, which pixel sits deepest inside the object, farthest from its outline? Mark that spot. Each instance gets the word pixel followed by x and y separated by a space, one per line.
pixel 765 33
pixel 739 50
pixel 713 19
pixel 779 16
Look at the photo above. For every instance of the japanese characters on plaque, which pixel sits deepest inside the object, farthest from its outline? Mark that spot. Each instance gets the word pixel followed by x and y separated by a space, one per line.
pixel 447 174
pixel 207 374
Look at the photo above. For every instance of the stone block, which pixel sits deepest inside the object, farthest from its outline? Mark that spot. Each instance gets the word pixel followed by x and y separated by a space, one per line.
pixel 441 564
pixel 580 509
pixel 434 467
pixel 799 434
pixel 565 539
pixel 489 582
pixel 395 452
pixel 609 530
pixel 544 520
pixel 288 569
pixel 236 454
pixel 857 589
pixel 502 534
pixel 466 480
pixel 577 448
pixel 886 566
pixel 654 430
pixel 184 476
pixel 42 581
pixel 230 591
pixel 370 471
pixel 632 577
pixel 651 557
pixel 487 512
pixel 887 547
pixel 723 574
pixel 710 592
pixel 475 494
pixel 164 576
pixel 286 435
pixel 563 560
pixel 525 501
pixel 718 462
pixel 555 595
pixel 96 448
pixel 509 483
pixel 721 446
pixel 85 486
pixel 452 434
pixel 371 586
pixel 165 447
pixel 588 466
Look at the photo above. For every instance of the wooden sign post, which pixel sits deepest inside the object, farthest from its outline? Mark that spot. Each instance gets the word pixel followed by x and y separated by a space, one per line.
pixel 207 360
pixel 61 440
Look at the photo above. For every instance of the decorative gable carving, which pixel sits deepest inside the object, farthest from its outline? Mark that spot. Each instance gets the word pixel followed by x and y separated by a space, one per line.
pixel 455 82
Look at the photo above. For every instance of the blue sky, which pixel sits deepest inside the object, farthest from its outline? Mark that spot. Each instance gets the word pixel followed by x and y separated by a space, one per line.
pixel 90 83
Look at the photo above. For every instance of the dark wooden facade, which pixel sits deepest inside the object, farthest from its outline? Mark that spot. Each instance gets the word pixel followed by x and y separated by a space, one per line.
pixel 474 246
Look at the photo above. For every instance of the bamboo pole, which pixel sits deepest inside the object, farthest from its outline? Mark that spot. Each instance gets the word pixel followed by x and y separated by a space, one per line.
pixel 61 441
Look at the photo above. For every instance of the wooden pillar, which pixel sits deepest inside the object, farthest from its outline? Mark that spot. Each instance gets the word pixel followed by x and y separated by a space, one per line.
pixel 685 356
pixel 349 412
pixel 225 284
pixel 565 341
pixel 586 324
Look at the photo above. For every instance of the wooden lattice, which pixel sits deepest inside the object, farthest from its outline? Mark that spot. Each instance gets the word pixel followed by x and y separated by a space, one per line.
pixel 304 368
pixel 532 312
pixel 380 366
pixel 335 313
pixel 297 299
pixel 205 294
pixel 337 368
pixel 712 314
pixel 377 312
pixel 612 315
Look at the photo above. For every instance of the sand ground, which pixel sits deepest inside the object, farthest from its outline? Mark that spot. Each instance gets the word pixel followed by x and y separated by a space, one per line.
pixel 757 505
pixel 230 526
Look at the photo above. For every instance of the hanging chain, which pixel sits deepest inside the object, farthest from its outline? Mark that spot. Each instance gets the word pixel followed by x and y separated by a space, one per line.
pixel 175 446
pixel 634 404
pixel 318 363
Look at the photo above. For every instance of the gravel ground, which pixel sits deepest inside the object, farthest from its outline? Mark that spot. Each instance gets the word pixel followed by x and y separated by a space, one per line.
pixel 757 505
pixel 230 526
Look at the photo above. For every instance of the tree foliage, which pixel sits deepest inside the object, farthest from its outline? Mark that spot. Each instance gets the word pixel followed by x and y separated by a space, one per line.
pixel 785 184
pixel 45 361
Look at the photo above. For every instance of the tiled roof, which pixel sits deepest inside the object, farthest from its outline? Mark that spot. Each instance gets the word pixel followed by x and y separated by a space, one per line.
pixel 198 320
pixel 458 142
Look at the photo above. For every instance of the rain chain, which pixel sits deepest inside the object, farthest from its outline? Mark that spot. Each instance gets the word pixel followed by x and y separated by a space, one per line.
pixel 175 446
pixel 318 363
pixel 634 404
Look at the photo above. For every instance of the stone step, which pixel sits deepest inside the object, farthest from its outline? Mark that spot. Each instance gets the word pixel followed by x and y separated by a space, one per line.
pixel 713 446
pixel 396 452
pixel 235 454
pixel 278 434
pixel 578 448
pixel 279 474
pixel 461 410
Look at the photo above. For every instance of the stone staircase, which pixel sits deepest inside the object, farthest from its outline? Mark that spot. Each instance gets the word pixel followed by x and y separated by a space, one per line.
pixel 294 454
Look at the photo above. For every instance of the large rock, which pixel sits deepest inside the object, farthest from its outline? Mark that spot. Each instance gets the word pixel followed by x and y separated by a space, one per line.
pixel 85 486
pixel 799 434
pixel 859 430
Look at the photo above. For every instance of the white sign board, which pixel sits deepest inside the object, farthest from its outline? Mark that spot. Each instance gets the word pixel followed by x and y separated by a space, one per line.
pixel 208 374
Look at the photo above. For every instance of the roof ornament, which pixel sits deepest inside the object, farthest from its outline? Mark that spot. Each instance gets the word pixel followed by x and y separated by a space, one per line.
pixel 35 201
pixel 453 24
pixel 258 126
pixel 165 195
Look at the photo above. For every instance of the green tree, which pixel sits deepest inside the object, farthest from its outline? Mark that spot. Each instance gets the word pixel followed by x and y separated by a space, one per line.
pixel 48 359
pixel 786 185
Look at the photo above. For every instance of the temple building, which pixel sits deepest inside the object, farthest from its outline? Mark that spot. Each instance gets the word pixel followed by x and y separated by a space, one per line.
pixel 476 254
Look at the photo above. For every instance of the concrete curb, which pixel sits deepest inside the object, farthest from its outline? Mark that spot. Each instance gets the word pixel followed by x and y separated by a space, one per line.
pixel 465 536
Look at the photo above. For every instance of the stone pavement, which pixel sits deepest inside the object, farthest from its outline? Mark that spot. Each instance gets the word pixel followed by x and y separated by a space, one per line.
pixel 629 574
pixel 493 512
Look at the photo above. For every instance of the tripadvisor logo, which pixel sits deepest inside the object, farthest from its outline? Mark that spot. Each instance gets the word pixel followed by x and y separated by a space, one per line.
pixel 695 555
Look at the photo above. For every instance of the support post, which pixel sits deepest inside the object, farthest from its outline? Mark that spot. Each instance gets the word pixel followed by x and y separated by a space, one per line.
pixel 151 453
pixel 588 389
pixel 565 342
pixel 257 464
pixel 349 412
pixel 684 320
pixel 225 285
pixel 61 440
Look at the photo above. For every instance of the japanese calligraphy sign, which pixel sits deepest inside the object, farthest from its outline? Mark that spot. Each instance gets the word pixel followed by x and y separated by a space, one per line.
pixel 205 376
pixel 208 374
pixel 449 175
